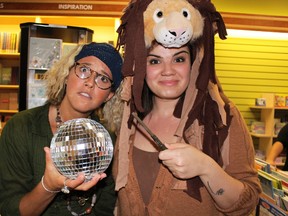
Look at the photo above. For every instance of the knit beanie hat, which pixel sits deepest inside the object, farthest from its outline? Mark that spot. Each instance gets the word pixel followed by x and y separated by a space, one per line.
pixel 107 54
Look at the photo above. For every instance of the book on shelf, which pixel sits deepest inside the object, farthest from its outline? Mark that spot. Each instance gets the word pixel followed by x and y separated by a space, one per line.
pixel 268 183
pixel 258 127
pixel 9 42
pixel 9 75
pixel 4 101
pixel 6 74
pixel 280 174
pixel 284 200
pixel 263 165
pixel 267 208
pixel 13 101
pixel 274 183
pixel 279 196
pixel 14 76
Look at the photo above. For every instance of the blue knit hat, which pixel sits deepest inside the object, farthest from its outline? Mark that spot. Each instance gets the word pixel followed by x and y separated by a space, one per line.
pixel 107 54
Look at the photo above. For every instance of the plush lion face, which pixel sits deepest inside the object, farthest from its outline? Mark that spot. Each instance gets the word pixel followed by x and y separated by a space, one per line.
pixel 172 23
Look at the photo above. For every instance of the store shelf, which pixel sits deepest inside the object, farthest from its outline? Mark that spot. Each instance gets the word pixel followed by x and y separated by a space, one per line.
pixel 281 108
pixel 8 111
pixel 261 107
pixel 9 86
pixel 267 116
pixel 6 55
pixel 260 135
pixel 9 92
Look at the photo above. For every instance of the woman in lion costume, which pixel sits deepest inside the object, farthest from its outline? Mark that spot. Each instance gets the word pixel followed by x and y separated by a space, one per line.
pixel 208 165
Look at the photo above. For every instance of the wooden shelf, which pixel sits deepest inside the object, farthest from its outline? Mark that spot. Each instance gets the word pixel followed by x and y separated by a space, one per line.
pixel 267 116
pixel 9 111
pixel 261 107
pixel 8 59
pixel 6 55
pixel 281 108
pixel 9 86
pixel 260 135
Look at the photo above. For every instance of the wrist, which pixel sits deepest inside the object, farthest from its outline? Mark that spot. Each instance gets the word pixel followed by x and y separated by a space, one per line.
pixel 46 188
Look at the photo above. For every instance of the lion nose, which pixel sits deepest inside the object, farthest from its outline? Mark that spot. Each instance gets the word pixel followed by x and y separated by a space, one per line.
pixel 177 32
pixel 173 33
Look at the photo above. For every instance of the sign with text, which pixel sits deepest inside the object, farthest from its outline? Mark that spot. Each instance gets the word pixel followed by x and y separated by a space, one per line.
pixel 68 8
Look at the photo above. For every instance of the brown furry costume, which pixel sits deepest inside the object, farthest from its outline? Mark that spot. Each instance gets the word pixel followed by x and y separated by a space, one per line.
pixel 210 105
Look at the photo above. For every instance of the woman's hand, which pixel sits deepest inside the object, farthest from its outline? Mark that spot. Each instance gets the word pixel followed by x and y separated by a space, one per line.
pixel 54 181
pixel 184 160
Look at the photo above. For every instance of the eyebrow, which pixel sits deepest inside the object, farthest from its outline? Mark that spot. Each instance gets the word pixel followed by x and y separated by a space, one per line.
pixel 175 54
pixel 180 52
pixel 104 72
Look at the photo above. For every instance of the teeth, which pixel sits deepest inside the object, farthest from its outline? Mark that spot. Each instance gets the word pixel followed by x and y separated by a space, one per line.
pixel 85 94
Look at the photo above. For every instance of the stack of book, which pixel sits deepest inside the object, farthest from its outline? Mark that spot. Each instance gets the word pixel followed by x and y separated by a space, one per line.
pixel 9 42
pixel 274 182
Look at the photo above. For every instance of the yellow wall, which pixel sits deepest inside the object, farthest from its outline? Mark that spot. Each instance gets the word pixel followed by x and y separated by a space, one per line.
pixel 104 28
pixel 247 68
pixel 261 7
pixel 235 58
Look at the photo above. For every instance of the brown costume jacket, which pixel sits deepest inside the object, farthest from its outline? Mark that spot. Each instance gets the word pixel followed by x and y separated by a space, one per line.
pixel 169 197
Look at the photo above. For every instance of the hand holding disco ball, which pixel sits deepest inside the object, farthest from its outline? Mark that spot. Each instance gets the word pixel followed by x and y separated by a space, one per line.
pixel 81 145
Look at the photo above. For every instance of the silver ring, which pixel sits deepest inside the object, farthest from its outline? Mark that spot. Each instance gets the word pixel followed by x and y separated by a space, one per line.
pixel 65 189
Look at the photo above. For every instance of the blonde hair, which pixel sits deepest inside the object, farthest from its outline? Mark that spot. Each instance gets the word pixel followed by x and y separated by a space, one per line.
pixel 55 78
pixel 112 111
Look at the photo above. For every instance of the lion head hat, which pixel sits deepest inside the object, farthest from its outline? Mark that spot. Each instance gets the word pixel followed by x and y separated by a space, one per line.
pixel 174 23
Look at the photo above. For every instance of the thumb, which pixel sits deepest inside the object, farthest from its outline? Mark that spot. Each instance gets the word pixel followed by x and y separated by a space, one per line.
pixel 48 156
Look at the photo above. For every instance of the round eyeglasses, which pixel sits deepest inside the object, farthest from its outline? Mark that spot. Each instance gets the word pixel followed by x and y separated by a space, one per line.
pixel 82 71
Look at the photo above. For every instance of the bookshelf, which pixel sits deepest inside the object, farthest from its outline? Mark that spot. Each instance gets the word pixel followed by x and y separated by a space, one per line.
pixel 267 115
pixel 9 88
pixel 274 198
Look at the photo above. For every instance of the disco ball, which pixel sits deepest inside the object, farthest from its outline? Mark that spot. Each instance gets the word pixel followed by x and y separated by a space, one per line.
pixel 81 145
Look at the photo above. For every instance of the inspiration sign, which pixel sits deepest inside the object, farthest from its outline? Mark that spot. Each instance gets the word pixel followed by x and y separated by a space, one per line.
pixel 68 8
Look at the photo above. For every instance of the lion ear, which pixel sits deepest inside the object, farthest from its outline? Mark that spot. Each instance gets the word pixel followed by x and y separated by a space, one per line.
pixel 198 25
pixel 148 32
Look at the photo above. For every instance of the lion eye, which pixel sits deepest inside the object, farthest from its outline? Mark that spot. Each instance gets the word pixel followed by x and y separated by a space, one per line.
pixel 158 15
pixel 186 13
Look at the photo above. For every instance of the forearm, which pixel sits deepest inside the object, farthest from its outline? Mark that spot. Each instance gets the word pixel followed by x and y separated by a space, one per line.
pixel 35 202
pixel 276 149
pixel 224 189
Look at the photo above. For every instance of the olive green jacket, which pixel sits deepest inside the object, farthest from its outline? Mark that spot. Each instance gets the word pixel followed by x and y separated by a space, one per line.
pixel 22 164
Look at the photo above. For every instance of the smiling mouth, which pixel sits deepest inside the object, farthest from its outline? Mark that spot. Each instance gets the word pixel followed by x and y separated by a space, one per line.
pixel 169 82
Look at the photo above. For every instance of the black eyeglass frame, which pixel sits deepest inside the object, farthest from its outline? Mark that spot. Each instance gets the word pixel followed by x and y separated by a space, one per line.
pixel 97 75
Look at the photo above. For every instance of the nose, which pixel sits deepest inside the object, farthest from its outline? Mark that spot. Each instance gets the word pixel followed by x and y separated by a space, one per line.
pixel 90 82
pixel 168 70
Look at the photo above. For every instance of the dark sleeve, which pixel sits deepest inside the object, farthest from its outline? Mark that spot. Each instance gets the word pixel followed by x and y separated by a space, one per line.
pixel 106 198
pixel 283 136
pixel 14 167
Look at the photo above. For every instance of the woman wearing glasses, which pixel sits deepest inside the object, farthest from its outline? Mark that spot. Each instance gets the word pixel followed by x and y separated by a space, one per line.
pixel 29 182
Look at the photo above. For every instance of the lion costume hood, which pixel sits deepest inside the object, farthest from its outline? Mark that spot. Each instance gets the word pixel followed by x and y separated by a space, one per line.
pixel 174 23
